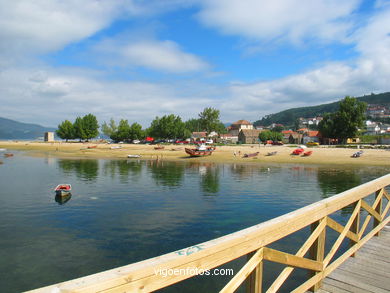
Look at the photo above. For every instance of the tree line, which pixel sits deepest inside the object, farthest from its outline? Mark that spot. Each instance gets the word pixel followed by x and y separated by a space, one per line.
pixel 165 127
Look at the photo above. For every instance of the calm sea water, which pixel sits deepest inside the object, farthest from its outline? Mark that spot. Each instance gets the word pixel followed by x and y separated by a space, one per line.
pixel 124 211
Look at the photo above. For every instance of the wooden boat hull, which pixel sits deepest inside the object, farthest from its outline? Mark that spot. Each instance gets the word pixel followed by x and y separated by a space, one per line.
pixel 199 153
pixel 62 193
pixel 251 155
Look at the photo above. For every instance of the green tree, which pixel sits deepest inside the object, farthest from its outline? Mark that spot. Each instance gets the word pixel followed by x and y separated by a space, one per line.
pixel 221 128
pixel 136 131
pixel 209 119
pixel 109 129
pixel 123 131
pixel 65 130
pixel 346 121
pixel 78 127
pixel 278 128
pixel 91 126
pixel 168 126
pixel 270 135
pixel 193 125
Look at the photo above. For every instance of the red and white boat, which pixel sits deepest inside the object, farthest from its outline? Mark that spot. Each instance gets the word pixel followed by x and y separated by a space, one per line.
pixel 63 189
pixel 200 151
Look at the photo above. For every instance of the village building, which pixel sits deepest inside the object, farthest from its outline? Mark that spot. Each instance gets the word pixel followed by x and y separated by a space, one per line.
pixel 249 136
pixel 311 136
pixel 198 136
pixel 239 125
pixel 49 136
pixel 228 138
pixel 286 135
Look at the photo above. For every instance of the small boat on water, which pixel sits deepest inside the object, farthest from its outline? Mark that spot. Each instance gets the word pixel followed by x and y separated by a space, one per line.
pixel 63 189
pixel 134 156
pixel 200 151
pixel 251 155
pixel 7 155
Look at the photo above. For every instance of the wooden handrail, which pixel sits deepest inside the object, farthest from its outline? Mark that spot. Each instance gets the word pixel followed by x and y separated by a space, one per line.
pixel 142 276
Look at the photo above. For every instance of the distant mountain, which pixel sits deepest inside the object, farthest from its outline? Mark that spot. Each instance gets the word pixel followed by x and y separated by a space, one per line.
pixel 10 129
pixel 288 117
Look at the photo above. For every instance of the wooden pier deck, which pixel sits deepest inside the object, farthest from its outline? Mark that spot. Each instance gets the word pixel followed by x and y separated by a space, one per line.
pixel 368 271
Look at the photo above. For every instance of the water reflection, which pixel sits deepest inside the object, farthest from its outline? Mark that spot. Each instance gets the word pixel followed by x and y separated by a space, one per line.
pixel 333 181
pixel 63 199
pixel 125 169
pixel 87 170
pixel 210 176
pixel 167 174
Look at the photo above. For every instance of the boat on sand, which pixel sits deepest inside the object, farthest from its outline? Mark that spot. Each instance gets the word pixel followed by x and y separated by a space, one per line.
pixel 200 151
pixel 251 155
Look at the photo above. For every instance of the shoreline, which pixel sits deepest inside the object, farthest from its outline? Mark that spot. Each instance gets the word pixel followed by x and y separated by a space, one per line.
pixel 222 154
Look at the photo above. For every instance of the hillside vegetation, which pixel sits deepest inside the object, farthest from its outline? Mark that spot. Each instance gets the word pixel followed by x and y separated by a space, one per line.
pixel 288 117
pixel 10 129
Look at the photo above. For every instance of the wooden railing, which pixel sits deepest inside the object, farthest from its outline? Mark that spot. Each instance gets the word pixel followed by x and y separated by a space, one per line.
pixel 253 242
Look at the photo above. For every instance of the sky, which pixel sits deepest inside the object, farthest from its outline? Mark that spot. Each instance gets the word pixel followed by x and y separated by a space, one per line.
pixel 138 59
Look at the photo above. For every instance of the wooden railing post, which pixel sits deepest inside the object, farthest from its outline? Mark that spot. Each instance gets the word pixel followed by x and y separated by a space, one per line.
pixel 317 252
pixel 355 228
pixel 254 281
pixel 378 209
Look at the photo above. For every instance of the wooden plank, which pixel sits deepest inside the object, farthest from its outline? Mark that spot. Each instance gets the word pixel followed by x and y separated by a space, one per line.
pixel 336 286
pixel 359 281
pixel 362 273
pixel 244 272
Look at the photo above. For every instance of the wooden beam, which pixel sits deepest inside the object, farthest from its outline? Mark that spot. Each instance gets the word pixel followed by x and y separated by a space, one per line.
pixel 373 212
pixel 301 252
pixel 317 251
pixel 245 271
pixel 291 260
pixel 339 228
pixel 354 231
pixel 378 208
pixel 341 237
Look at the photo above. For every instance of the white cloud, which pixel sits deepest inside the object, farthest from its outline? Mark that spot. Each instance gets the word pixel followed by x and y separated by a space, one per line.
pixel 370 72
pixel 36 27
pixel 291 20
pixel 52 95
pixel 165 56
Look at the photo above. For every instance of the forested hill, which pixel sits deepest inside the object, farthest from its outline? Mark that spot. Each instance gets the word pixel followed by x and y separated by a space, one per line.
pixel 10 129
pixel 288 117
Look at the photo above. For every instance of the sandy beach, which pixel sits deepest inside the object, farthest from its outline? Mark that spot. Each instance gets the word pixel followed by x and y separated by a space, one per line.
pixel 320 155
